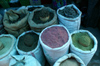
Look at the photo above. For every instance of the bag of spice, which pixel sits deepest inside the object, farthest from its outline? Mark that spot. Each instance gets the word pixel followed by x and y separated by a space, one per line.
pixel 70 16
pixel 69 60
pixel 27 44
pixel 23 60
pixel 7 48
pixel 83 44
pixel 41 18
pixel 55 41
pixel 15 20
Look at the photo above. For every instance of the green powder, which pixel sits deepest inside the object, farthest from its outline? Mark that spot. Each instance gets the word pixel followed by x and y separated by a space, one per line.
pixel 70 62
pixel 82 41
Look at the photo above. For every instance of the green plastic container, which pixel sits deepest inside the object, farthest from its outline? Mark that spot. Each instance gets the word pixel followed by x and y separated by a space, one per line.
pixel 4 3
pixel 24 2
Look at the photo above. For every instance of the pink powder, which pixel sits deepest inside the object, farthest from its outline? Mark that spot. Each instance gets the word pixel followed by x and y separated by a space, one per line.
pixel 55 37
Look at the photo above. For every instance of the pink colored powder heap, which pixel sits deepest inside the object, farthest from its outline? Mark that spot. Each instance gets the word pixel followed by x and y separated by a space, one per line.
pixel 55 37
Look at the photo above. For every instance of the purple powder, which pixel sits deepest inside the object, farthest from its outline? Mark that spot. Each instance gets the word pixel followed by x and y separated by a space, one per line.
pixel 55 36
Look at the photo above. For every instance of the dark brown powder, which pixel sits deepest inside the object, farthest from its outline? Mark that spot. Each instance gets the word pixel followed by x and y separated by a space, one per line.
pixel 55 37
pixel 38 14
pixel 28 42
pixel 69 12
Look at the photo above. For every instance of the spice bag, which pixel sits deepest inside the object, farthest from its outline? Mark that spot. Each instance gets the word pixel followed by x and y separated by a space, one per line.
pixel 86 56
pixel 23 59
pixel 65 57
pixel 5 58
pixel 52 54
pixel 72 24
pixel 37 52
pixel 17 24
pixel 39 27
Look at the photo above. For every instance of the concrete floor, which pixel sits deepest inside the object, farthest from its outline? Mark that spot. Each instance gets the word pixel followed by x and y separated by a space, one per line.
pixel 96 32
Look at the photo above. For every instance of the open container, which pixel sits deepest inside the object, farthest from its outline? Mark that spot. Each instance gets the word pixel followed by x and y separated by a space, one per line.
pixel 35 52
pixel 38 22
pixel 63 60
pixel 72 24
pixel 52 54
pixel 86 56
pixel 16 21
pixel 7 48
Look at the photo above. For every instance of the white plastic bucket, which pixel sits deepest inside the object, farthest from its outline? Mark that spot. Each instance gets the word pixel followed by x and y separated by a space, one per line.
pixel 53 54
pixel 5 58
pixel 37 52
pixel 72 24
pixel 86 56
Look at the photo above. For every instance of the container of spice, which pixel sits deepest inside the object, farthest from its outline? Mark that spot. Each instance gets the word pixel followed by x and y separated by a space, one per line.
pixel 27 44
pixel 70 16
pixel 55 41
pixel 16 21
pixel 23 60
pixel 84 44
pixel 7 48
pixel 41 18
pixel 69 60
